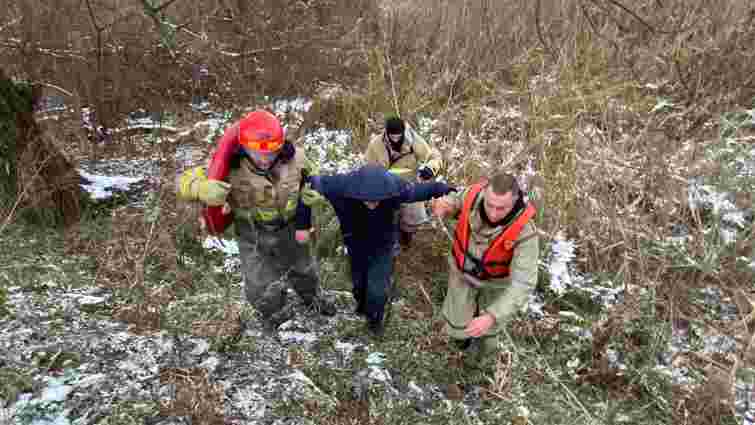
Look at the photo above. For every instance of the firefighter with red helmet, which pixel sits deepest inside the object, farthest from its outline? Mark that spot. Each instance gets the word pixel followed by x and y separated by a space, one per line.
pixel 260 185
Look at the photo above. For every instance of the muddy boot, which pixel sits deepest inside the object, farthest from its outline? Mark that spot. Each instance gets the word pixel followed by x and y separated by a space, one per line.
pixel 375 328
pixel 322 305
pixel 271 323
pixel 282 316
pixel 455 388
pixel 482 362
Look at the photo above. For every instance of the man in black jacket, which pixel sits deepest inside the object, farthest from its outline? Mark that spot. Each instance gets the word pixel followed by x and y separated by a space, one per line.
pixel 366 201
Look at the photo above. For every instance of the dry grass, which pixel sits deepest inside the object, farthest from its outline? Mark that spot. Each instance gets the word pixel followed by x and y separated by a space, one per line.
pixel 195 397
pixel 575 75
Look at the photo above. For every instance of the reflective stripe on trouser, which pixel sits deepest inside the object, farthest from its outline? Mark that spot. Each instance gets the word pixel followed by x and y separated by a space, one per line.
pixel 371 280
pixel 463 303
pixel 266 257
pixel 412 215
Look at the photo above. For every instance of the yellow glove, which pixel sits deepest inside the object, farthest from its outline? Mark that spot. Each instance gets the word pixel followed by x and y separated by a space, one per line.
pixel 194 185
pixel 311 197
pixel 404 173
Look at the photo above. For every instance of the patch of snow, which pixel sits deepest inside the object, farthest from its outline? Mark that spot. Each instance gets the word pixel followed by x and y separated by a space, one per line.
pixel 88 299
pixel 250 403
pixel 101 186
pixel 719 344
pixel 375 358
pixel 299 376
pixel 562 254
pixel 297 337
pixel 728 235
pixel 415 388
pixel 614 359
pixel 211 363
pixel 662 104
pixel 49 405
pixel 379 374
pixel 56 391
pixel 580 332
pixel 201 347
pixel 345 348
pixel 229 247
pixel 230 264
pixel 201 106
pixel 331 150
pixel 571 315
pixel 147 124
pixel 215 125
pixel 534 306
pixel 706 196
pixel 296 104
pixel 88 381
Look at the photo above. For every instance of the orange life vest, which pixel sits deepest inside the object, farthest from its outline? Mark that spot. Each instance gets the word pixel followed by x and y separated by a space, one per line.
pixel 496 259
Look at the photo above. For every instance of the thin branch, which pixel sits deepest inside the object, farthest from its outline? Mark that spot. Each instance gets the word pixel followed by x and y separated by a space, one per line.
pixel 164 5
pixel 60 54
pixel 52 86
pixel 9 24
pixel 634 15
pixel 539 29
pixel 94 18
pixel 251 52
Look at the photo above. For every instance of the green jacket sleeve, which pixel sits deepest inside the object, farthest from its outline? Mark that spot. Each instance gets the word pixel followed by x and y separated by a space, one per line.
pixel 523 277
pixel 376 153
pixel 426 154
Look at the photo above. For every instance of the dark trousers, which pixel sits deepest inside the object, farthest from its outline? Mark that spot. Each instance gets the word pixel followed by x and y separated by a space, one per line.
pixel 269 255
pixel 371 279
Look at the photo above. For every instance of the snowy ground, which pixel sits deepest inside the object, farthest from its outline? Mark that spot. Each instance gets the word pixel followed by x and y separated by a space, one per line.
pixel 113 355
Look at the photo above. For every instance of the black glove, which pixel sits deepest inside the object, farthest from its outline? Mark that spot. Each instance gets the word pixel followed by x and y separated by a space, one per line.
pixel 288 151
pixel 425 173
pixel 450 189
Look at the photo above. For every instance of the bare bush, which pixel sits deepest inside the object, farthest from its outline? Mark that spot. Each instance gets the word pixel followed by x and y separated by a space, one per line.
pixel 122 55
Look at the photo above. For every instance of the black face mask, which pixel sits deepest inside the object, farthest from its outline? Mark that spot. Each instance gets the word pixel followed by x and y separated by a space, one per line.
pixel 396 146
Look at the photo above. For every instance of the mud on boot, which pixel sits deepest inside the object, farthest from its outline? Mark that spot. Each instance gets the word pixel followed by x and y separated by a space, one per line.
pixel 375 328
pixel 322 305
pixel 271 322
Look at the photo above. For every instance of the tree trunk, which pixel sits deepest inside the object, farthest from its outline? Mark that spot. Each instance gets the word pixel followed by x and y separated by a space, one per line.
pixel 37 181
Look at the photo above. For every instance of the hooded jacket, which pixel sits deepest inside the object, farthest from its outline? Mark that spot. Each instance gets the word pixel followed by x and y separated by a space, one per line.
pixel 367 231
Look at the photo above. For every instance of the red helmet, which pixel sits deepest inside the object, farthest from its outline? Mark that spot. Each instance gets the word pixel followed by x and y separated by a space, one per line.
pixel 261 131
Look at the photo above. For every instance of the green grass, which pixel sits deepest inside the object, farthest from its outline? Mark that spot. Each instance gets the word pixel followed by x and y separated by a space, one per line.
pixel 37 259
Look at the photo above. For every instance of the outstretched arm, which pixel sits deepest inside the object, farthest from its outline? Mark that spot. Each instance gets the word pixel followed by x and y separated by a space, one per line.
pixel 419 192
